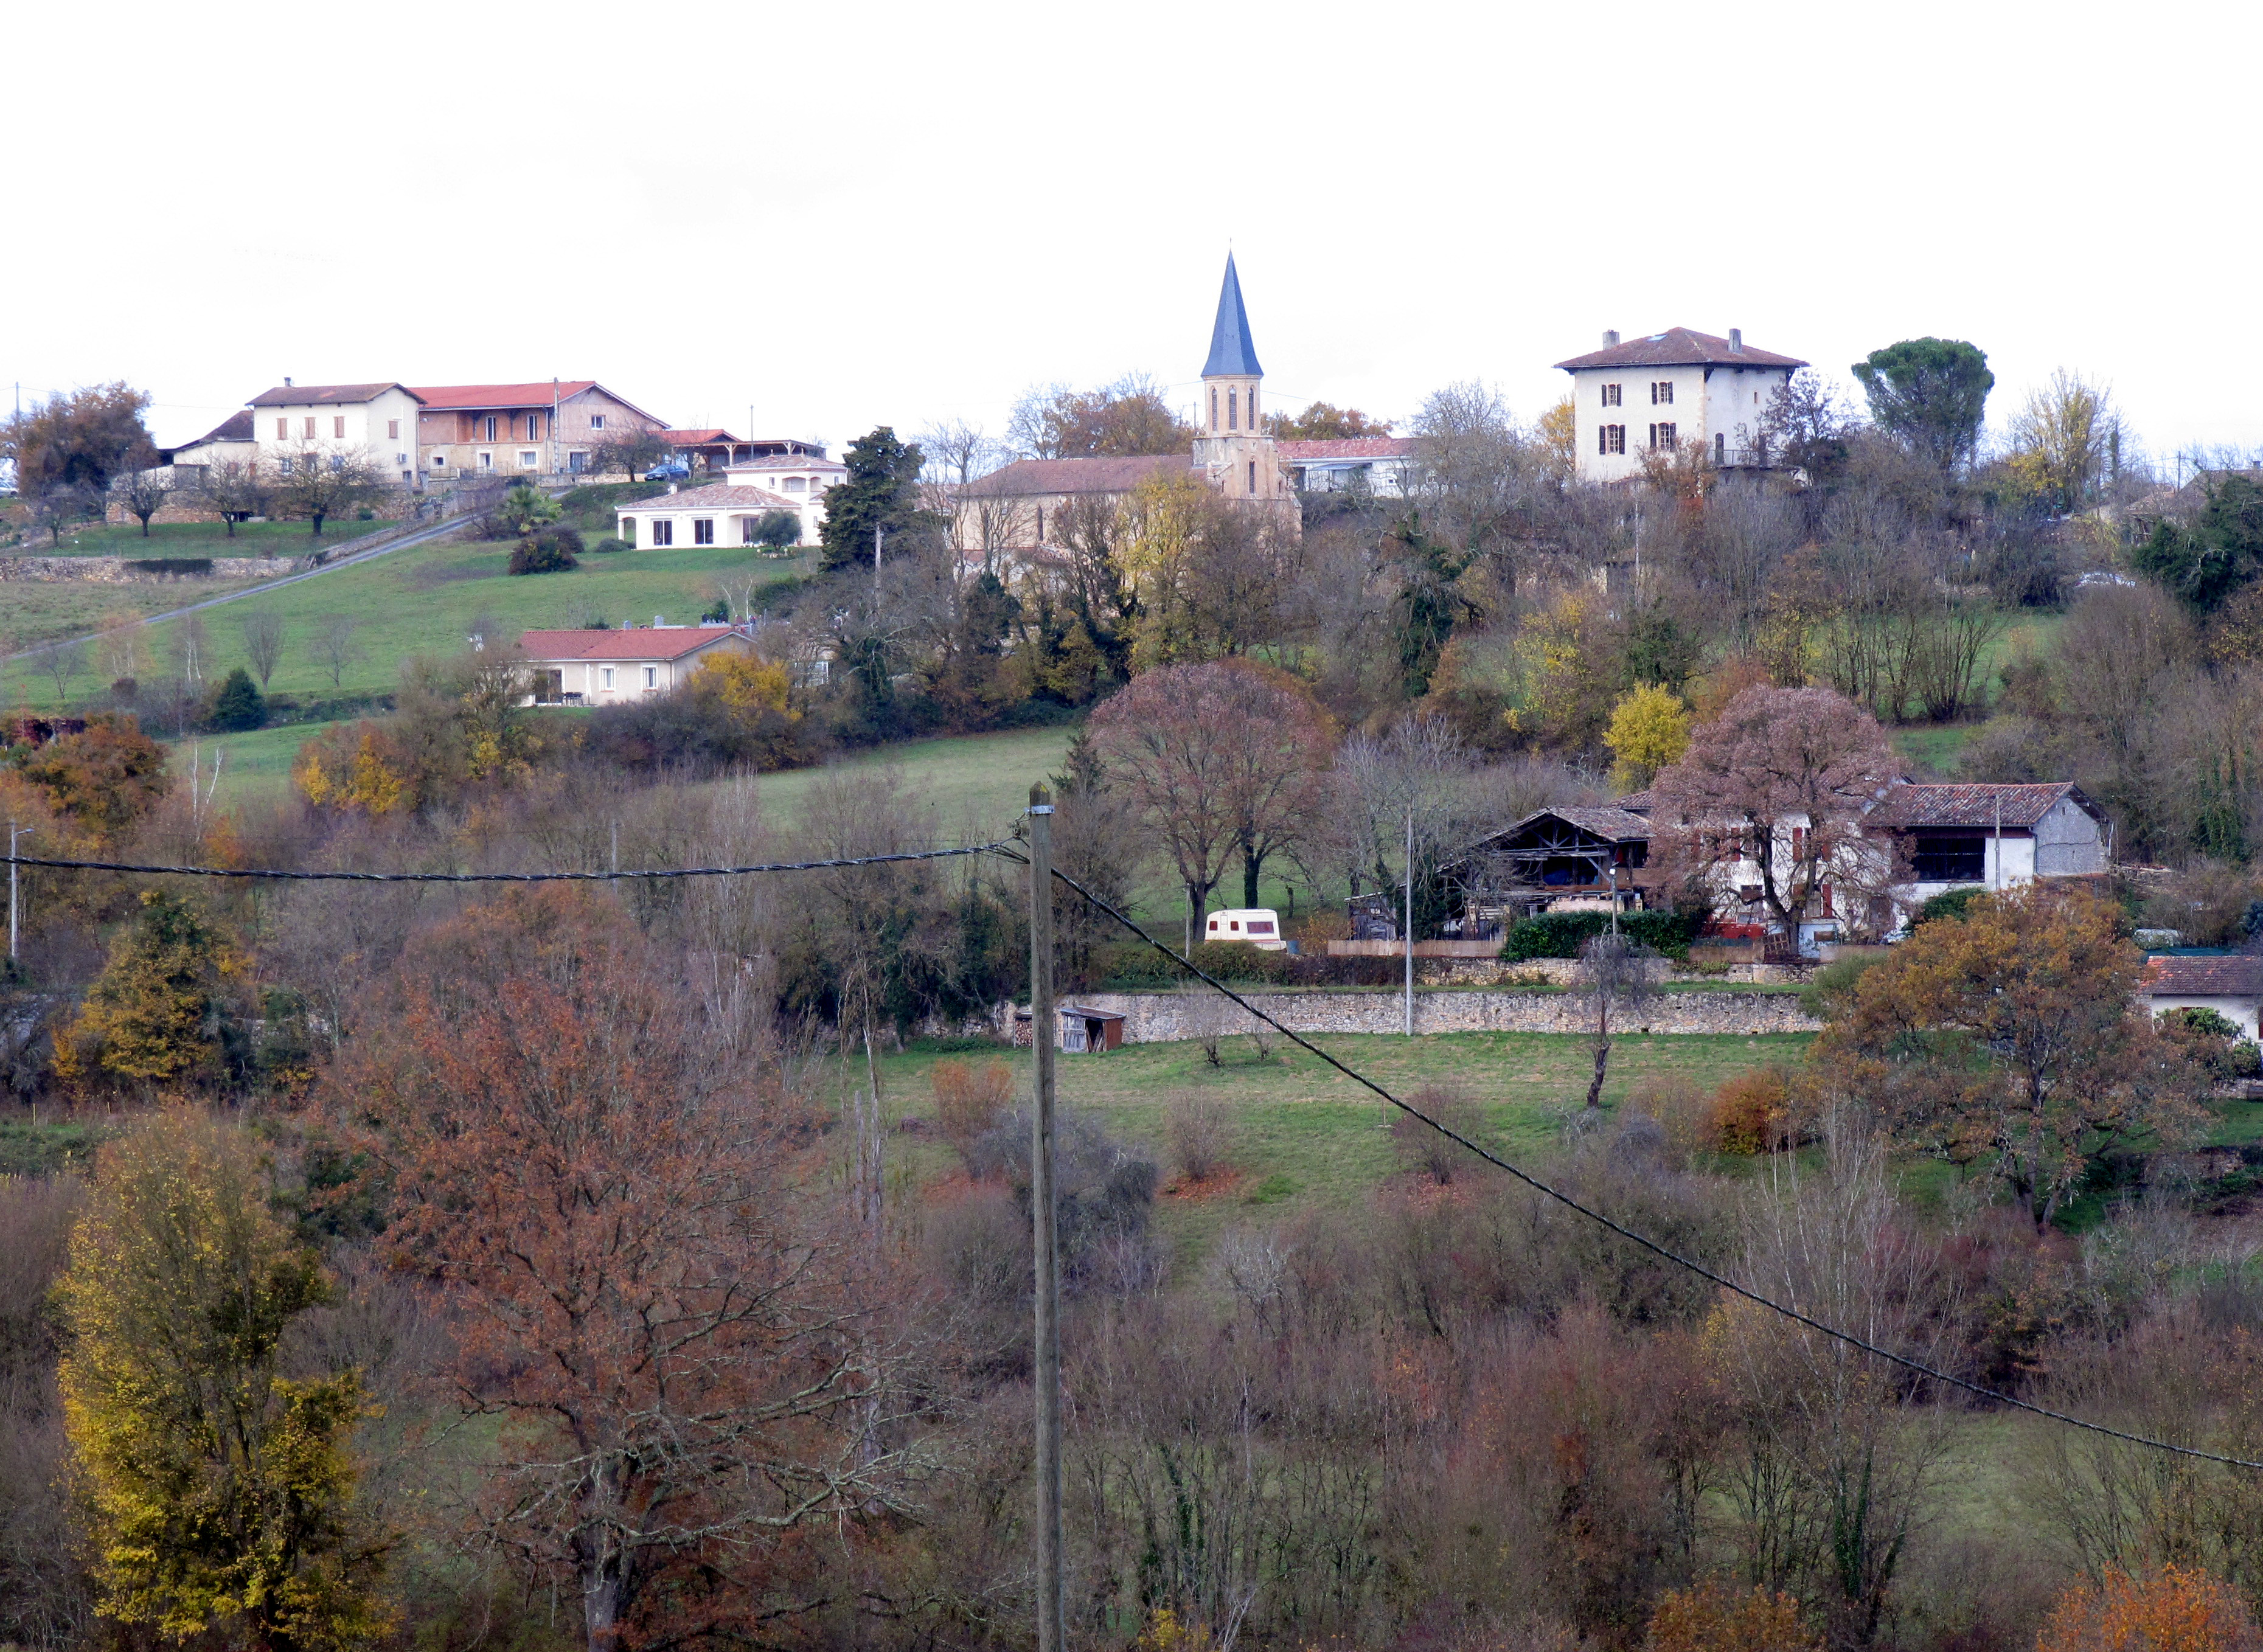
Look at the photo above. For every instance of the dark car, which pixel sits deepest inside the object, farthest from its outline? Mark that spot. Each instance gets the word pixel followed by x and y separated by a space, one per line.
pixel 670 471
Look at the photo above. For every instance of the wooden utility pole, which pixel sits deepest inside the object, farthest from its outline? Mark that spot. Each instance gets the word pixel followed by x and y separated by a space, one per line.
pixel 1410 918
pixel 1052 1596
pixel 14 832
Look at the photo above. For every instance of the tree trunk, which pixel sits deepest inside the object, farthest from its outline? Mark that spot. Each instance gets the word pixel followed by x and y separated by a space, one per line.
pixel 1193 916
pixel 1252 864
pixel 1602 1054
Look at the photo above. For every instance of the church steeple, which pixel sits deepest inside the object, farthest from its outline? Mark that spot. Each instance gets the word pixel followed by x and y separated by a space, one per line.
pixel 1230 375
pixel 1232 353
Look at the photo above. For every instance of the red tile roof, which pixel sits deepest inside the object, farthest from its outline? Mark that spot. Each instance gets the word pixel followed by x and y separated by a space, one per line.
pixel 533 396
pixel 696 438
pixel 1679 347
pixel 714 496
pixel 651 642
pixel 1976 807
pixel 1351 447
pixel 787 462
pixel 1027 477
pixel 2228 975
pixel 324 395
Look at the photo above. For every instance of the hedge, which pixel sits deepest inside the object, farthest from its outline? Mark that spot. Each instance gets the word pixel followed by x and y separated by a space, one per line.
pixel 1561 935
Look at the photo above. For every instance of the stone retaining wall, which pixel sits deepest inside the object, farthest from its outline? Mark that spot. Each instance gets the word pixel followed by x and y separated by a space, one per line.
pixel 134 570
pixel 1159 1017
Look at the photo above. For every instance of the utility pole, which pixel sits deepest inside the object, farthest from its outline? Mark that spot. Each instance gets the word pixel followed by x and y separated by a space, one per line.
pixel 1410 917
pixel 14 832
pixel 879 539
pixel 1052 1596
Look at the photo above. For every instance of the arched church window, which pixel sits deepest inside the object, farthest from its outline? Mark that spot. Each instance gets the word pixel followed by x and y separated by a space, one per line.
pixel 1213 406
pixel 1233 409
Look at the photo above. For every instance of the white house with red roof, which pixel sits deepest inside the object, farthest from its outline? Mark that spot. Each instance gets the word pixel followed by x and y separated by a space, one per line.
pixel 720 514
pixel 1660 394
pixel 798 471
pixel 2230 983
pixel 600 668
pixel 546 428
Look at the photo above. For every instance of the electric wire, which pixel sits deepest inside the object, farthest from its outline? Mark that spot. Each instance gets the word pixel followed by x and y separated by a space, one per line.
pixel 502 878
pixel 1534 1182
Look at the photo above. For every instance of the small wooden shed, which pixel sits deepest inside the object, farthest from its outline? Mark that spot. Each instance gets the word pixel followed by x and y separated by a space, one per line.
pixel 1081 1030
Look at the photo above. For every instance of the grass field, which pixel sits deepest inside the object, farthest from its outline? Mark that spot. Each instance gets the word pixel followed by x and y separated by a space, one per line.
pixel 38 611
pixel 976 782
pixel 199 539
pixel 424 600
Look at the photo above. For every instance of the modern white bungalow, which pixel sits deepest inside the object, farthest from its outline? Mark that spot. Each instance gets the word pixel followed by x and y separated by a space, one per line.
pixel 797 470
pixel 601 667
pixel 721 513
pixel 2231 985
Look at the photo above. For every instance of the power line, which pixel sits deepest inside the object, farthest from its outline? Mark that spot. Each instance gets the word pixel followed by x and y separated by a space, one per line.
pixel 505 878
pixel 1647 1243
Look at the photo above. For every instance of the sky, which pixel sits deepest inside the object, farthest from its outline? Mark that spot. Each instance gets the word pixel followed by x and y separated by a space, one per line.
pixel 816 218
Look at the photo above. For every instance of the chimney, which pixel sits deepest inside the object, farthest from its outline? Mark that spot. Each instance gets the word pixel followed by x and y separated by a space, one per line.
pixel 1736 341
pixel 1611 338
pixel 286 381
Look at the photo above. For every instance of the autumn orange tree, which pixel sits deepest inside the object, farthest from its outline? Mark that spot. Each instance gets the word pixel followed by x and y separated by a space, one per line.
pixel 2176 1610
pixel 160 1013
pixel 2011 1040
pixel 1711 1617
pixel 102 780
pixel 660 1323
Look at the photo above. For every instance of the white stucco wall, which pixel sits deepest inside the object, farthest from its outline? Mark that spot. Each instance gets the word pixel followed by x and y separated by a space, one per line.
pixel 2241 1010
pixel 1728 400
pixel 386 427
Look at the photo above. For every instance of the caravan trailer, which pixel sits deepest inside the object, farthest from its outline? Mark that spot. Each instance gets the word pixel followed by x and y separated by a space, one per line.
pixel 1258 926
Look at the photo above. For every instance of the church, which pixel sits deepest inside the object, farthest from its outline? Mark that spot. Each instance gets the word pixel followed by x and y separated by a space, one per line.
pixel 1025 506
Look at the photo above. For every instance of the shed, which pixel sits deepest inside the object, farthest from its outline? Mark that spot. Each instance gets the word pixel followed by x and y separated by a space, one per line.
pixel 1081 1030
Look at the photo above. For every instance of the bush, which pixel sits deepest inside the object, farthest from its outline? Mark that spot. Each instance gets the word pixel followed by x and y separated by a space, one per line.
pixel 237 704
pixel 1196 1129
pixel 1831 991
pixel 605 547
pixel 1713 1617
pixel 778 530
pixel 552 551
pixel 1949 903
pixel 968 1099
pixel 1561 935
pixel 1755 1112
pixel 2215 1039
pixel 1421 1149
pixel 198 565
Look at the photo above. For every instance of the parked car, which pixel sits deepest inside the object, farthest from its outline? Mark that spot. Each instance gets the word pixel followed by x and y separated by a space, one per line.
pixel 671 471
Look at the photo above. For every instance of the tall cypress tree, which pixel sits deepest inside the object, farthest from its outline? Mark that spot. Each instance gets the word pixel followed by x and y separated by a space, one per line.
pixel 882 492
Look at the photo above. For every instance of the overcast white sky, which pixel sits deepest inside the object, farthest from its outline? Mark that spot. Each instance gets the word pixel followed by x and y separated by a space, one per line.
pixel 840 216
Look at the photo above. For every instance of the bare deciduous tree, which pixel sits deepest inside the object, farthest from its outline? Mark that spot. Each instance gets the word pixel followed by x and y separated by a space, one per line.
pixel 334 646
pixel 234 490
pixel 62 664
pixel 142 494
pixel 322 483
pixel 263 642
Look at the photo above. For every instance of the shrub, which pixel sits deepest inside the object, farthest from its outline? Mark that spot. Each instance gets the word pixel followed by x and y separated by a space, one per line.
pixel 1421 1149
pixel 194 565
pixel 1752 1113
pixel 1831 991
pixel 1713 1617
pixel 1561 935
pixel 1683 1111
pixel 2215 1040
pixel 969 1097
pixel 606 547
pixel 551 552
pixel 2180 1608
pixel 778 530
pixel 237 704
pixel 1950 903
pixel 1196 1127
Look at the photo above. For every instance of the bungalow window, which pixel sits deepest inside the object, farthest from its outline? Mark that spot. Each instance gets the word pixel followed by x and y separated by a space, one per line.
pixel 596 421
pixel 607 673
pixel 1944 860
pixel 1661 394
pixel 1661 438
pixel 663 530
pixel 797 485
pixel 652 676
pixel 1611 395
pixel 577 462
pixel 703 530
pixel 746 530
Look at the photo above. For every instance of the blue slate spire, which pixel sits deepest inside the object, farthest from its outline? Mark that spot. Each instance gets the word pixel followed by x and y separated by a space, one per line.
pixel 1232 352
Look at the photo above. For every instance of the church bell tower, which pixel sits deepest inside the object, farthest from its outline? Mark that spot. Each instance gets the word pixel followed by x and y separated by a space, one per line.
pixel 1233 449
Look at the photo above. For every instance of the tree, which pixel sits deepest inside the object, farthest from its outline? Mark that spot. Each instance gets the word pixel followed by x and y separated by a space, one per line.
pixel 631 452
pixel 2065 441
pixel 1931 394
pixel 234 490
pixel 1128 419
pixel 778 530
pixel 2178 1607
pixel 1649 730
pixel 158 1013
pixel 334 647
pixel 1779 785
pixel 318 484
pixel 238 704
pixel 221 1489
pixel 1321 422
pixel 1805 425
pixel 262 641
pixel 1710 1617
pixel 682 1363
pixel 881 496
pixel 2206 565
pixel 62 662
pixel 958 451
pixel 1558 436
pixel 1615 974
pixel 2009 1040
pixel 1277 781
pixel 57 507
pixel 78 441
pixel 524 508
pixel 104 779
pixel 142 494
pixel 1430 599
pixel 1183 742
pixel 551 552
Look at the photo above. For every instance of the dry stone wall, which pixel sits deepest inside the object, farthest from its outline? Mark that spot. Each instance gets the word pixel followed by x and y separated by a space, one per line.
pixel 135 570
pixel 1159 1017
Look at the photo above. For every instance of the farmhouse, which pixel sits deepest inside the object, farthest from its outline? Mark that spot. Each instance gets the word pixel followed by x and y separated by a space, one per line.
pixel 312 424
pixel 2000 837
pixel 549 428
pixel 2231 985
pixel 600 668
